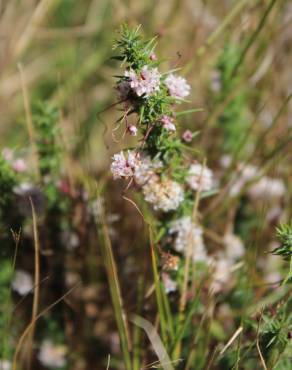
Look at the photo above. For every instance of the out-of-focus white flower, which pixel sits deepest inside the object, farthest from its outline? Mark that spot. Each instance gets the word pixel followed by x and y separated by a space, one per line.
pixel 165 195
pixel 215 82
pixel 168 123
pixel 7 154
pixel 123 167
pixel 187 136
pixel 145 83
pixel 133 130
pixel 177 86
pixel 22 282
pixel 267 188
pixel 188 235
pixel 19 165
pixel 200 177
pixel 5 365
pixel 52 355
pixel 234 246
pixel 221 274
pixel 146 169
pixel 246 174
pixel 169 284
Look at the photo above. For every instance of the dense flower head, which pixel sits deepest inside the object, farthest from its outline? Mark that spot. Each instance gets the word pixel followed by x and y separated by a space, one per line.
pixel 200 177
pixel 188 235
pixel 165 195
pixel 123 167
pixel 146 169
pixel 144 83
pixel 177 86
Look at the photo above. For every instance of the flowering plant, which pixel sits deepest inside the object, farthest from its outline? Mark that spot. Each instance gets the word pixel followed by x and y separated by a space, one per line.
pixel 160 165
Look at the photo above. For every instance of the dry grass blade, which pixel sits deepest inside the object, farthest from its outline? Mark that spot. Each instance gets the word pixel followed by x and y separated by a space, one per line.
pixel 231 340
pixel 36 295
pixel 111 269
pixel 155 340
pixel 28 328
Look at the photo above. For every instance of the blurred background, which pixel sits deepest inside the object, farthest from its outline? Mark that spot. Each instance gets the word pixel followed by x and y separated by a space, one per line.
pixel 237 57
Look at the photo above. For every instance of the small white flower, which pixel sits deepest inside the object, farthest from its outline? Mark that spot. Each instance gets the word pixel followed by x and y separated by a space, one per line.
pixel 123 167
pixel 165 195
pixel 22 282
pixel 168 123
pixel 169 284
pixel 221 274
pixel 188 236
pixel 267 188
pixel 144 83
pixel 177 86
pixel 5 365
pixel 234 246
pixel 200 177
pixel 52 355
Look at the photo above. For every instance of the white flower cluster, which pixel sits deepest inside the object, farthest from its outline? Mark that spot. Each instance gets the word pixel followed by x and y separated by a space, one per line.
pixel 265 188
pixel 188 235
pixel 200 177
pixel 22 282
pixel 223 263
pixel 146 170
pixel 165 195
pixel 123 167
pixel 52 355
pixel 146 83
pixel 177 86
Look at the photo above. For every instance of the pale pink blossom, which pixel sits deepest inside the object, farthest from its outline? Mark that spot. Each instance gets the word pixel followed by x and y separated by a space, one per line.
pixel 177 86
pixel 200 177
pixel 7 154
pixel 133 130
pixel 146 83
pixel 168 123
pixel 123 167
pixel 19 165
pixel 153 57
pixel 187 136
pixel 169 284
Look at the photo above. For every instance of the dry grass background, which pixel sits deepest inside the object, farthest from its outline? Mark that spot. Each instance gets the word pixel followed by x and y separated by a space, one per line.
pixel 60 51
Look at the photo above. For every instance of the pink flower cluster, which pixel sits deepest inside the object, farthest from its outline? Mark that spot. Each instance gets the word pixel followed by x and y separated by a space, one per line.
pixel 177 86
pixel 146 82
pixel 123 167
